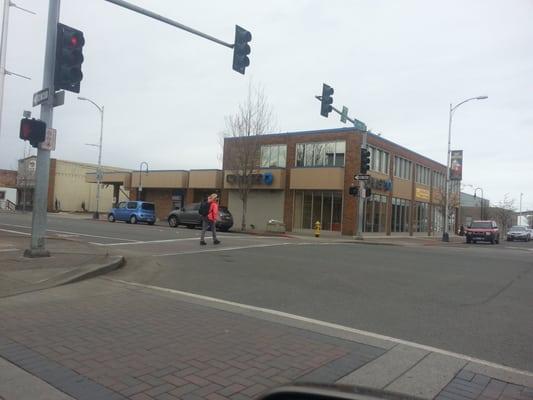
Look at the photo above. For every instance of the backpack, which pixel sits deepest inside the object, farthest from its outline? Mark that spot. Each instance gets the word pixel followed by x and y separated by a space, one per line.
pixel 204 209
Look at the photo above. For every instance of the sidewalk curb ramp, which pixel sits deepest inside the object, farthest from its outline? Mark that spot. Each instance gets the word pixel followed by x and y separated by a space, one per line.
pixel 77 274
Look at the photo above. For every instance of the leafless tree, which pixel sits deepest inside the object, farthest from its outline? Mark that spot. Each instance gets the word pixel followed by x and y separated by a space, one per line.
pixel 253 119
pixel 503 212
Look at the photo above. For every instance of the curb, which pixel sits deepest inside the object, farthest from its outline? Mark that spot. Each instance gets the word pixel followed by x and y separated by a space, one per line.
pixel 76 275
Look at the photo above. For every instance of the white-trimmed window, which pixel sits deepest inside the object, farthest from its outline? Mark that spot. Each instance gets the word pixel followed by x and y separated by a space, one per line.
pixel 273 156
pixel 402 168
pixel 423 175
pixel 321 154
pixel 379 160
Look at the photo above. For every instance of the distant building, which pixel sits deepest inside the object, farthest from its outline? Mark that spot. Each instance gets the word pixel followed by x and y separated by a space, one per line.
pixel 468 200
pixel 68 189
pixel 8 191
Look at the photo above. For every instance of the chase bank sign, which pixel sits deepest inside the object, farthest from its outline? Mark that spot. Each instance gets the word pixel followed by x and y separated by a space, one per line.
pixel 254 179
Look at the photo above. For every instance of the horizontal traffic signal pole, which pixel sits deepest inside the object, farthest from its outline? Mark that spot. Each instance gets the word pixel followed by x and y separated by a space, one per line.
pixel 168 21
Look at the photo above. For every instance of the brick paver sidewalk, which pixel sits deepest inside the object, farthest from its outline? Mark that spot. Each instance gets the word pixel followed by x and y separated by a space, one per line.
pixel 103 340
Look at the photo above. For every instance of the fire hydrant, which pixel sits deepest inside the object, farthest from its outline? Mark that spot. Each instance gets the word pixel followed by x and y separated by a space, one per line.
pixel 317 229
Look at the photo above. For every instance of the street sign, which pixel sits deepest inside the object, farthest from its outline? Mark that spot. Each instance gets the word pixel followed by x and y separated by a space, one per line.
pixel 59 98
pixel 359 125
pixel 361 177
pixel 344 114
pixel 40 97
pixel 49 141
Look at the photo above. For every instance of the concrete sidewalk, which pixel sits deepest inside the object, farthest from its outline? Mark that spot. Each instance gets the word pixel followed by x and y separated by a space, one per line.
pixel 108 339
pixel 70 261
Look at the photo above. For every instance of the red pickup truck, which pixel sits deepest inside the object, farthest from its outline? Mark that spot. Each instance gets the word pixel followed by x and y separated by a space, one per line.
pixel 487 231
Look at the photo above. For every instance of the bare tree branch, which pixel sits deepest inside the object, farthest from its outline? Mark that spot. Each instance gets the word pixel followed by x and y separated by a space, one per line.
pixel 253 119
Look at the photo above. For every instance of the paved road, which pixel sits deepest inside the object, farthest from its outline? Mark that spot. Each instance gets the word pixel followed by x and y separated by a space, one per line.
pixel 472 299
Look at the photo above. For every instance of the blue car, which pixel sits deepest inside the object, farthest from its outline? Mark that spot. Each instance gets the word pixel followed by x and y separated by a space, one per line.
pixel 132 212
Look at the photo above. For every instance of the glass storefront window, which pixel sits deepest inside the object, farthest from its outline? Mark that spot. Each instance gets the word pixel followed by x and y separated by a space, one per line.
pixel 400 215
pixel 312 206
pixel 421 217
pixel 375 213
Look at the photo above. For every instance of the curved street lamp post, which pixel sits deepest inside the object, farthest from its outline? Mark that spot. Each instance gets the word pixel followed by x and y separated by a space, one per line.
pixel 445 234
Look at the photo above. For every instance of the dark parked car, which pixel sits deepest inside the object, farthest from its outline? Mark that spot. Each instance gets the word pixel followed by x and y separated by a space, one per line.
pixel 487 231
pixel 519 233
pixel 133 212
pixel 190 217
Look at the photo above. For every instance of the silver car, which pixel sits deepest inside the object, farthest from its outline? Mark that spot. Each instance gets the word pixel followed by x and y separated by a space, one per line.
pixel 519 233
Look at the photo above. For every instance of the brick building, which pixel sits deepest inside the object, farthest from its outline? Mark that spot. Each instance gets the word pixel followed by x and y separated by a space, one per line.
pixel 303 177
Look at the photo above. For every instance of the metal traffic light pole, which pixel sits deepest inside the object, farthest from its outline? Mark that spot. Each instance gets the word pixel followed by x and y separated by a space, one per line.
pixel 40 199
pixel 362 192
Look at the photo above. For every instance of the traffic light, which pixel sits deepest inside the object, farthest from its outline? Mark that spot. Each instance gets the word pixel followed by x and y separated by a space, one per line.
pixel 69 57
pixel 326 101
pixel 241 49
pixel 33 130
pixel 354 191
pixel 365 161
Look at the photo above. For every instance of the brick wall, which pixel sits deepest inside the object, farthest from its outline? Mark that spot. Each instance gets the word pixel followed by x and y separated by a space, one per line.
pixel 352 162
pixel 8 178
pixel 162 198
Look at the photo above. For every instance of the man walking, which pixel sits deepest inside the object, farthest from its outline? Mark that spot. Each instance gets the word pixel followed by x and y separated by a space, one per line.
pixel 209 214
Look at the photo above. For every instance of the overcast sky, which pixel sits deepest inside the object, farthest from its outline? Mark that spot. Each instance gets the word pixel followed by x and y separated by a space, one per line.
pixel 396 64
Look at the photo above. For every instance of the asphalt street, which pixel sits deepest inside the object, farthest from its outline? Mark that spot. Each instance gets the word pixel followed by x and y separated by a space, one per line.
pixel 470 299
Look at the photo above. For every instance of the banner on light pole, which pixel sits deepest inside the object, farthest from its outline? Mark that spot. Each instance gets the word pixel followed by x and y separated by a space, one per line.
pixel 456 165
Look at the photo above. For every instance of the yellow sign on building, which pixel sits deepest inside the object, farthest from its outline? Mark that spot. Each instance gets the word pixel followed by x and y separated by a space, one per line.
pixel 422 194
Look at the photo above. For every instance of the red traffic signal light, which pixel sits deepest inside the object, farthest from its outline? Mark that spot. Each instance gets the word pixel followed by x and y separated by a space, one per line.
pixel 33 130
pixel 69 57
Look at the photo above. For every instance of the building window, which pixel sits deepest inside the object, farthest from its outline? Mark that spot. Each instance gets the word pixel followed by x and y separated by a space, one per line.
pixel 313 206
pixel 421 217
pixel 273 156
pixel 438 218
pixel 375 213
pixel 438 180
pixel 379 160
pixel 401 209
pixel 422 175
pixel 320 154
pixel 402 168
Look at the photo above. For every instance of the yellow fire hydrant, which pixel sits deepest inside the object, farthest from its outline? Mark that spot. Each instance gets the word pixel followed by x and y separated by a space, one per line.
pixel 317 229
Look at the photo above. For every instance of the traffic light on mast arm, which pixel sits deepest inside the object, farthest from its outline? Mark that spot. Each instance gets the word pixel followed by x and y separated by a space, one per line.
pixel 33 130
pixel 69 57
pixel 365 161
pixel 241 49
pixel 326 101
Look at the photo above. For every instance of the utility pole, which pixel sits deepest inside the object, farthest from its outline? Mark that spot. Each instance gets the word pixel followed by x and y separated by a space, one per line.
pixel 362 190
pixel 3 52
pixel 40 202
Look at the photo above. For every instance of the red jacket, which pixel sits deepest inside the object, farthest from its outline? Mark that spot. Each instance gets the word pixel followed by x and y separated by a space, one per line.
pixel 213 211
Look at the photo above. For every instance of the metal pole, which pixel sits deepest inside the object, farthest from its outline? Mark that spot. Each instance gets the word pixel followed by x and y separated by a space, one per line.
pixel 3 52
pixel 40 200
pixel 362 194
pixel 169 21
pixel 445 235
pixel 99 170
pixel 520 213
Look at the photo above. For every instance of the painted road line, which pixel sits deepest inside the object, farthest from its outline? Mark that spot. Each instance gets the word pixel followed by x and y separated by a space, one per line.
pixel 6 250
pixel 72 233
pixel 17 232
pixel 179 253
pixel 145 242
pixel 234 305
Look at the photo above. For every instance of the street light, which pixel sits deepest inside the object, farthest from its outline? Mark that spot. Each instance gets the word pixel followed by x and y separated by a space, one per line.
pixel 99 168
pixel 482 199
pixel 140 178
pixel 445 235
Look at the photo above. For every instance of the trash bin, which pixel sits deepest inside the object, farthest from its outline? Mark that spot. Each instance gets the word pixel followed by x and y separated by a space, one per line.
pixel 274 225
